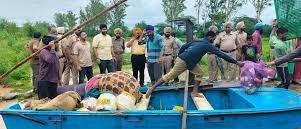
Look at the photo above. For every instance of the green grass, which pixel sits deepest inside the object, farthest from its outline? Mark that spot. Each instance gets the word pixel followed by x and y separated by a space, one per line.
pixel 12 51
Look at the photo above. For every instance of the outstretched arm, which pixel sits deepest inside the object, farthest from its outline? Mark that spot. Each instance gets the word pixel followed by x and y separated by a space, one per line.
pixel 288 57
pixel 220 54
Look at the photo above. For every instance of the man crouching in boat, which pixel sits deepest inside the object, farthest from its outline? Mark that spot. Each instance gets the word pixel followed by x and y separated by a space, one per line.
pixel 189 57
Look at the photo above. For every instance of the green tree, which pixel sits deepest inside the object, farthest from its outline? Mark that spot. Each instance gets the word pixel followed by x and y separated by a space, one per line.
pixel 249 23
pixel 160 27
pixel 118 14
pixel 141 24
pixel 220 11
pixel 173 8
pixel 59 19
pixel 71 19
pixel 198 7
pixel 94 7
pixel 68 19
pixel 259 6
pixel 116 17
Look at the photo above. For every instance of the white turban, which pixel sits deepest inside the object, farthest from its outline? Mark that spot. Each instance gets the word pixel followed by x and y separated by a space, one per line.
pixel 240 25
pixel 60 30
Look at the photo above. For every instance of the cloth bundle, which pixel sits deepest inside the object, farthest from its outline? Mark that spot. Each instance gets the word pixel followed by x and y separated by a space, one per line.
pixel 251 76
pixel 67 101
pixel 117 82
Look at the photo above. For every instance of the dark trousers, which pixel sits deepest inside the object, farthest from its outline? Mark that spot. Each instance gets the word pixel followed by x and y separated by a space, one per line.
pixel 106 65
pixel 86 72
pixel 154 71
pixel 138 65
pixel 47 89
pixel 284 75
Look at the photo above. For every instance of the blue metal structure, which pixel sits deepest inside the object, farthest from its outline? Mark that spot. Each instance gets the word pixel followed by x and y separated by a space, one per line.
pixel 269 108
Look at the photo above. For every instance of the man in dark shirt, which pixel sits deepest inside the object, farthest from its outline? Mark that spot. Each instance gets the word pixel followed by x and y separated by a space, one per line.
pixel 189 56
pixel 49 70
pixel 249 51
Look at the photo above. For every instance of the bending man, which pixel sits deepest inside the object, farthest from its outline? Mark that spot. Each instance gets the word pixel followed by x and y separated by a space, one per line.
pixel 189 57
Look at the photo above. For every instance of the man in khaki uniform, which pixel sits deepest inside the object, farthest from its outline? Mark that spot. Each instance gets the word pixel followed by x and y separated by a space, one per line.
pixel 212 61
pixel 32 47
pixel 60 54
pixel 227 41
pixel 241 38
pixel 118 48
pixel 170 49
pixel 69 55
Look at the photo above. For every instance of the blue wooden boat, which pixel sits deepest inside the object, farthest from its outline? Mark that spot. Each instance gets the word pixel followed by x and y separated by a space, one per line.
pixel 269 108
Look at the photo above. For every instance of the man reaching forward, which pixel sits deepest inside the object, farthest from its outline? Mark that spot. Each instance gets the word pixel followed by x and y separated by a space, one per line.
pixel 189 57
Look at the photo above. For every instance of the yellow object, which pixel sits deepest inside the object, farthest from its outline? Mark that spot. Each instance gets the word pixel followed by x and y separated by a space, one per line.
pixel 106 101
pixel 179 108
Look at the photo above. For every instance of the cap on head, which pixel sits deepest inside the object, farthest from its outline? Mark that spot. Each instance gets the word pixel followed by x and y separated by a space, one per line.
pixel 149 27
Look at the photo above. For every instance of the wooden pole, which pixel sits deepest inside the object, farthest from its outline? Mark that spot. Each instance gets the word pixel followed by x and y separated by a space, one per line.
pixel 184 117
pixel 64 36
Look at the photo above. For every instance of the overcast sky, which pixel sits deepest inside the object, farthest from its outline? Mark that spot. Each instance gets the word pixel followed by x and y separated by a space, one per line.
pixel 150 11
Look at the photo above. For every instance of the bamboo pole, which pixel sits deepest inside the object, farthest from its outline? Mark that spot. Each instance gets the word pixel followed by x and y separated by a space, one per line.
pixel 184 117
pixel 64 36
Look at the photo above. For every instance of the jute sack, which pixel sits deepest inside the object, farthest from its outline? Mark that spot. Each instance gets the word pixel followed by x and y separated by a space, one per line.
pixel 66 101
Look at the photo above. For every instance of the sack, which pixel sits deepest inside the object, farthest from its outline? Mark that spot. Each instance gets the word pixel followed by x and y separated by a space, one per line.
pixel 126 101
pixel 66 101
pixel 106 101
pixel 33 104
pixel 89 103
pixel 251 76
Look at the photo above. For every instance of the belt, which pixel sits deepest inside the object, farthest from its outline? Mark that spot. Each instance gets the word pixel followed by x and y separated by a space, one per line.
pixel 167 54
pixel 228 51
pixel 138 54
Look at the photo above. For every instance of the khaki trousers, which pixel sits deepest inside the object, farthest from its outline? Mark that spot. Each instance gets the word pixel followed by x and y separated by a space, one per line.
pixel 66 74
pixel 180 67
pixel 212 67
pixel 230 69
pixel 167 63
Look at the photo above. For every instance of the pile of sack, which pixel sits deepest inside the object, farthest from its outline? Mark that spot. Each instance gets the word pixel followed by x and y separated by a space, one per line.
pixel 119 90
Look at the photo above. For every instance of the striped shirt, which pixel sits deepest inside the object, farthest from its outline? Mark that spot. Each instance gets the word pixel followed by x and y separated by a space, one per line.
pixel 154 48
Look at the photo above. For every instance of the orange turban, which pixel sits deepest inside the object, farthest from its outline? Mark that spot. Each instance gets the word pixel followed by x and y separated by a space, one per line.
pixel 137 30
